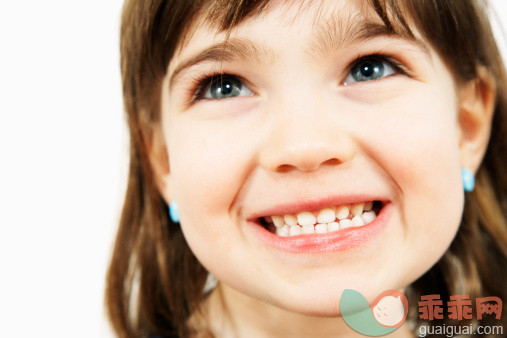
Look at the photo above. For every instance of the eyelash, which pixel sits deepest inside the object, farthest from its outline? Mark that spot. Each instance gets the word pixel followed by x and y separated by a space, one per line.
pixel 201 83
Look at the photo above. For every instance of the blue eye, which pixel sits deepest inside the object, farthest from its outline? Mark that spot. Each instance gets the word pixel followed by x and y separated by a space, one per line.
pixel 369 69
pixel 224 87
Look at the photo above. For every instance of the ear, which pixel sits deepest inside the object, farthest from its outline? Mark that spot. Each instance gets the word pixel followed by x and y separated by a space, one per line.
pixel 476 108
pixel 159 159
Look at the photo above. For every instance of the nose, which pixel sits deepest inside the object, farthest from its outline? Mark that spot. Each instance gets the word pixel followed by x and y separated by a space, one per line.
pixel 305 140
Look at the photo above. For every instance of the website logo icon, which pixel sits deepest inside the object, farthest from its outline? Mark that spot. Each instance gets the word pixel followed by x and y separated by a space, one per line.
pixel 388 312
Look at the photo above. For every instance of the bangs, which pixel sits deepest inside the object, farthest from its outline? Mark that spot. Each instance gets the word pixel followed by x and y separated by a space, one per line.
pixel 225 15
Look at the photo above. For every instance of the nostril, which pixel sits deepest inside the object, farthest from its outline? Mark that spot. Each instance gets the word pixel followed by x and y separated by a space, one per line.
pixel 285 168
pixel 331 161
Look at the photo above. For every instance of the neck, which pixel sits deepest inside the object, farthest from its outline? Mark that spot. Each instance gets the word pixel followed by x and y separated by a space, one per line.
pixel 228 313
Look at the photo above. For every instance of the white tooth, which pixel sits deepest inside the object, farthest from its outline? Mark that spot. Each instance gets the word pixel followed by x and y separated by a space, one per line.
pixel 346 223
pixel 295 230
pixel 290 220
pixel 306 218
pixel 334 226
pixel 357 209
pixel 357 221
pixel 283 231
pixel 308 229
pixel 342 212
pixel 278 221
pixel 321 229
pixel 368 206
pixel 368 216
pixel 326 216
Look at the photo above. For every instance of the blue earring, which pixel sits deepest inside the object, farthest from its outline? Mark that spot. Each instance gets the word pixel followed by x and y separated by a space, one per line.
pixel 468 179
pixel 173 212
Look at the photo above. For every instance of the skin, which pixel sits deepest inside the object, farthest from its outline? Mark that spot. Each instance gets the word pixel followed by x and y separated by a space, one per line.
pixel 303 134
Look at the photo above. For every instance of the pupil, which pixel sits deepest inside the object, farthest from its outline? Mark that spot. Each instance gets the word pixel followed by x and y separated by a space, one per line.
pixel 226 88
pixel 367 70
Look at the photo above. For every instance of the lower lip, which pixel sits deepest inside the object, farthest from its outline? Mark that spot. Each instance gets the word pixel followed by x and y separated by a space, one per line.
pixel 340 240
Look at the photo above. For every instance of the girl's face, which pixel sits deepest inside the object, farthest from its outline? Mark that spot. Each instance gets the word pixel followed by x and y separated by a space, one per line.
pixel 320 109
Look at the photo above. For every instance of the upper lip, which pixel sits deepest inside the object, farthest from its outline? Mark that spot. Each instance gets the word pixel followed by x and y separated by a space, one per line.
pixel 311 204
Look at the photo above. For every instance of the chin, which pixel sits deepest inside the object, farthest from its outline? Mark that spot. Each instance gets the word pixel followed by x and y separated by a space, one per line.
pixel 318 306
pixel 321 301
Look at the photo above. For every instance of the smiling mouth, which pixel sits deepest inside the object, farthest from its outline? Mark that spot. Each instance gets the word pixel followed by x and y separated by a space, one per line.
pixel 331 219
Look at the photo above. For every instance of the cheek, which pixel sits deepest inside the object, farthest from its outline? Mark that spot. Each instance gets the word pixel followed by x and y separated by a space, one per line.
pixel 209 162
pixel 421 155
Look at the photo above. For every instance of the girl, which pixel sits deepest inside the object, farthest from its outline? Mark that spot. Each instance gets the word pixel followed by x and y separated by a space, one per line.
pixel 310 147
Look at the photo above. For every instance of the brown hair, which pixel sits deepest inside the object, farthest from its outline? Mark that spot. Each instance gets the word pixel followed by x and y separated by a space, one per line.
pixel 154 282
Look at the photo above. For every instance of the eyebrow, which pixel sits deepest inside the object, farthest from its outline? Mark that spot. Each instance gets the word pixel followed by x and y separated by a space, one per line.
pixel 328 37
pixel 334 32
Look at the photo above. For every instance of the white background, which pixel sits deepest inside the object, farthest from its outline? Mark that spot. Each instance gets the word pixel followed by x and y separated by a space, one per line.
pixel 63 163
